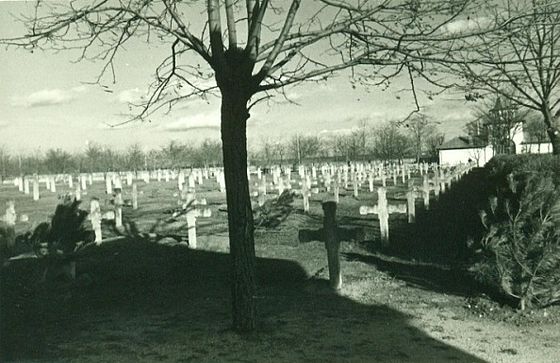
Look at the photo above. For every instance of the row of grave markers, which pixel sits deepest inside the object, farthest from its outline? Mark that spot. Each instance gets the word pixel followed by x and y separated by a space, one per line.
pixel 113 181
pixel 438 185
pixel 189 207
pixel 332 235
pixel 355 173
pixel 332 178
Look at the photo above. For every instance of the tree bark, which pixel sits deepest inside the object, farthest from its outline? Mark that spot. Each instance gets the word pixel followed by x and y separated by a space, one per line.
pixel 234 115
pixel 555 140
pixel 553 129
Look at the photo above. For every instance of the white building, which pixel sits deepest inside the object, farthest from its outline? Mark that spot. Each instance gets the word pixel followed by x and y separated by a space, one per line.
pixel 504 133
pixel 463 149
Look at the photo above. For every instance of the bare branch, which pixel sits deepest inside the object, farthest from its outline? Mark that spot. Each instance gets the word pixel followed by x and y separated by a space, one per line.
pixel 230 17
pixel 215 28
pixel 281 39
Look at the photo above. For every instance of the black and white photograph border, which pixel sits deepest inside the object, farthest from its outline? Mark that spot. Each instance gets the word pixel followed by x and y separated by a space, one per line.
pixel 280 181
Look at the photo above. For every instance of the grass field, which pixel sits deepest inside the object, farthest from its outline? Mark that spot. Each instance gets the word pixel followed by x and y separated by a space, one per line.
pixel 136 300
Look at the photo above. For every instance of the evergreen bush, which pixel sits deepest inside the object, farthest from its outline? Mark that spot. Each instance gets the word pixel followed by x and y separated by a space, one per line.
pixel 520 252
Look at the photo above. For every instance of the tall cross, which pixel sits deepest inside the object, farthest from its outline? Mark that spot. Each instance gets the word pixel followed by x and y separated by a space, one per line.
pixel 383 210
pixel 332 235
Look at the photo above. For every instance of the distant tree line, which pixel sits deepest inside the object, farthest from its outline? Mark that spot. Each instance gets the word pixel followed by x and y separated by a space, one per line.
pixel 101 158
pixel 418 139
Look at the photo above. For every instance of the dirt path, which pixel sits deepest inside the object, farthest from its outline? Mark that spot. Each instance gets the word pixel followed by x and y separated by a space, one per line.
pixel 454 321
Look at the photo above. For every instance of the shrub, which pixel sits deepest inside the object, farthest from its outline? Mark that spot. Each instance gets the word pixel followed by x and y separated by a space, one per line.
pixel 67 227
pixel 61 237
pixel 273 212
pixel 503 165
pixel 7 241
pixel 520 252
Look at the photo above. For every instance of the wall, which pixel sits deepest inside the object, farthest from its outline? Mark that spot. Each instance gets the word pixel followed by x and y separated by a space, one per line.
pixel 517 136
pixel 457 156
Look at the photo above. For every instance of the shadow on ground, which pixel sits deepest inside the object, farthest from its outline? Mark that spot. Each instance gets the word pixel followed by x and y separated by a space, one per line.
pixel 139 301
pixel 442 232
pixel 431 277
pixel 433 253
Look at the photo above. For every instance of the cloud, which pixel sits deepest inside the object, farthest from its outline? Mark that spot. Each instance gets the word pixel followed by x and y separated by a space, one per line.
pixel 293 96
pixel 198 121
pixel 79 89
pixel 46 97
pixel 193 102
pixel 343 131
pixel 118 125
pixel 132 95
pixel 465 25
pixel 454 109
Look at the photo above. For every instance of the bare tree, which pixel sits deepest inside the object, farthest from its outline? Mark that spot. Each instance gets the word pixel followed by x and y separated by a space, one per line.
pixel 174 154
pixel 535 130
pixel 420 128
pixel 259 47
pixel 208 153
pixel 434 138
pixel 351 146
pixel 134 157
pixel 476 130
pixel 93 157
pixel 58 161
pixel 304 147
pixel 342 146
pixel 279 151
pixel 109 160
pixel 4 162
pixel 389 143
pixel 524 57
pixel 501 120
pixel 154 159
pixel 267 151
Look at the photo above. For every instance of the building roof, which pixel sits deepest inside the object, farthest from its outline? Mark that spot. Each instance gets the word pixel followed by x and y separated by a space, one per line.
pixel 461 142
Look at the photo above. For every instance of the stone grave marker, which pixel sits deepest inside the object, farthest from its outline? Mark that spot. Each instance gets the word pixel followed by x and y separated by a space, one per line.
pixel 53 184
pixel 10 216
pixel 192 215
pixel 383 210
pixel 108 184
pixel 336 190
pixel 181 180
pixel 83 180
pixel 118 202
pixel 95 218
pixel 78 192
pixel 332 235
pixel 134 196
pixel 26 186
pixel 35 188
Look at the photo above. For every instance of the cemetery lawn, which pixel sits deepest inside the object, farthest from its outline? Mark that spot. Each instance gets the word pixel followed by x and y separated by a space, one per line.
pixel 140 301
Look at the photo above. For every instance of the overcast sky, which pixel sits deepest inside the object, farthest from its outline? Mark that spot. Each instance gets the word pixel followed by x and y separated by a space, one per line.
pixel 45 102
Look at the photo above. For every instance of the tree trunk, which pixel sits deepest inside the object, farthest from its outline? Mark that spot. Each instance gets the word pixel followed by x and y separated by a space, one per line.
pixel 555 140
pixel 553 129
pixel 234 115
